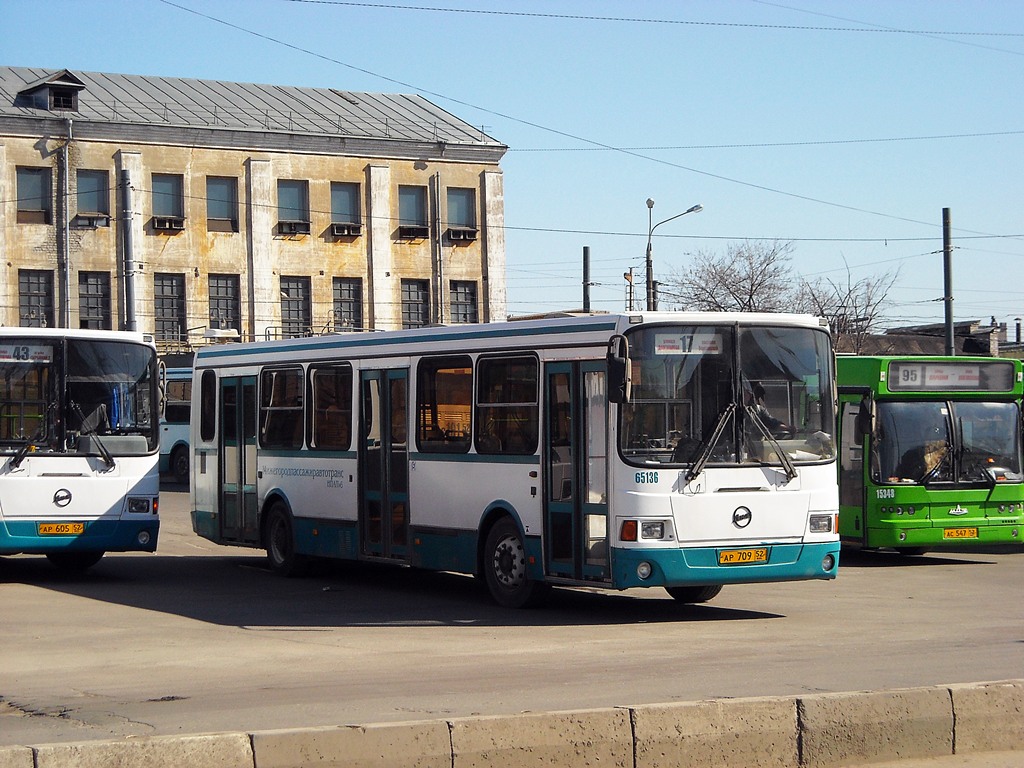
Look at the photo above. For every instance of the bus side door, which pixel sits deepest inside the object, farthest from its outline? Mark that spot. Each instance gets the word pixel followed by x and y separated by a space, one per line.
pixel 575 465
pixel 238 513
pixel 384 463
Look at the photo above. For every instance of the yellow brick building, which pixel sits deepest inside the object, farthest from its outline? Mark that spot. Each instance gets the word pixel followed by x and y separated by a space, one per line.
pixel 205 210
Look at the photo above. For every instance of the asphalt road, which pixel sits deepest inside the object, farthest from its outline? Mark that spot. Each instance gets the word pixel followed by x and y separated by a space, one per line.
pixel 202 638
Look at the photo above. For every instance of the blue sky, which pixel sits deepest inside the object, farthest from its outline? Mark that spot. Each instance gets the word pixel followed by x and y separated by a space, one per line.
pixel 844 128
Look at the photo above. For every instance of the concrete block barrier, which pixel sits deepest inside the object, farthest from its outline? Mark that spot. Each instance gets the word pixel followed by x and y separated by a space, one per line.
pixel 600 737
pixel 755 733
pixel 227 750
pixel 16 757
pixel 820 731
pixel 848 728
pixel 384 745
pixel 989 717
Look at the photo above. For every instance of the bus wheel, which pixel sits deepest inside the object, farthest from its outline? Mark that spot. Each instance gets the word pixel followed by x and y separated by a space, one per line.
pixel 694 594
pixel 911 551
pixel 505 568
pixel 281 542
pixel 74 561
pixel 179 465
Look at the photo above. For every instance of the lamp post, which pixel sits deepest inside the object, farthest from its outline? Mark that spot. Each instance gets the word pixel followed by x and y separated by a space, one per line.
pixel 651 304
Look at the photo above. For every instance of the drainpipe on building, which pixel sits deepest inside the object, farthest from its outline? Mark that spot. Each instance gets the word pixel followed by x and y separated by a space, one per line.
pixel 439 245
pixel 129 257
pixel 65 226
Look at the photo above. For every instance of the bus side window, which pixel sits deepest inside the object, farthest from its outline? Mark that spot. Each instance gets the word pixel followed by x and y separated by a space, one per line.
pixel 208 406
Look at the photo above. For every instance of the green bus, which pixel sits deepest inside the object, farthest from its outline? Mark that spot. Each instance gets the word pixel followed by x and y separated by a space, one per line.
pixel 930 452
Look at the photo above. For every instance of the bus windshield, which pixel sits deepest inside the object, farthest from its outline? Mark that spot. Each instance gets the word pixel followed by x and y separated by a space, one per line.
pixel 942 441
pixel 60 395
pixel 727 395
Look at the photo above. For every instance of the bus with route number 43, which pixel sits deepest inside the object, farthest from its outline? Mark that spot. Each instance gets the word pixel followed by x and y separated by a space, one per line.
pixel 930 452
pixel 79 414
pixel 606 450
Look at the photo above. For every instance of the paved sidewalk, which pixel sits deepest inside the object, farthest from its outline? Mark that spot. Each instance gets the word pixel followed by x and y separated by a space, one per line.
pixel 972 760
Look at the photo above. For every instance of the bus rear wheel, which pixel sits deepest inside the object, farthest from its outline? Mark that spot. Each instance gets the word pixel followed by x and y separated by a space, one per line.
pixel 74 561
pixel 505 568
pixel 179 465
pixel 280 541
pixel 694 594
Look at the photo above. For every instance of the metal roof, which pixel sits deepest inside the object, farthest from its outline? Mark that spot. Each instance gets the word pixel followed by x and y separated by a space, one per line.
pixel 216 104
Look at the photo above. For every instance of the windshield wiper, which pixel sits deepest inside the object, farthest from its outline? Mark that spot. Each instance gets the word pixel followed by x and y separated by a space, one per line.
pixel 698 465
pixel 104 453
pixel 787 463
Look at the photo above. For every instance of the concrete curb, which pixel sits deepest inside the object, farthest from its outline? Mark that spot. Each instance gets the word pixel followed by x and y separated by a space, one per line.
pixel 818 731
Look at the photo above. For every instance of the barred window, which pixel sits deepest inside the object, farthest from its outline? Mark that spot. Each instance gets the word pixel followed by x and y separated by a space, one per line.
pixel 94 300
pixel 415 303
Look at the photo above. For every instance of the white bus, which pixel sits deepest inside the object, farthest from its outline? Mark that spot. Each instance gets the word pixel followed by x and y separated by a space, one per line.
pixel 610 451
pixel 78 441
pixel 174 424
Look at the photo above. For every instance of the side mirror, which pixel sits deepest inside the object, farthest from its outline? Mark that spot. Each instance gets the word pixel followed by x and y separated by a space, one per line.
pixel 162 385
pixel 620 382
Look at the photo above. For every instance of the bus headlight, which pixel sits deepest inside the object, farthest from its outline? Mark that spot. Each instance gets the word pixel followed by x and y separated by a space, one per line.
pixel 828 562
pixel 652 530
pixel 143 538
pixel 643 570
pixel 821 523
pixel 138 506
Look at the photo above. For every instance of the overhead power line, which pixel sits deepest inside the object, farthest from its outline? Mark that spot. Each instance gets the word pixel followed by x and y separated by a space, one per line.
pixel 646 20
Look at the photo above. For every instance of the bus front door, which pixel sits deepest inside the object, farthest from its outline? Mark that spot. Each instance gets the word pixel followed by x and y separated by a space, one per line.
pixel 238 513
pixel 576 463
pixel 384 464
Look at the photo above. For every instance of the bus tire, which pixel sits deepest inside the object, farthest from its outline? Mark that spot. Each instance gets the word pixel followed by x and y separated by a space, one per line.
pixel 700 594
pixel 74 561
pixel 280 541
pixel 505 568
pixel 179 465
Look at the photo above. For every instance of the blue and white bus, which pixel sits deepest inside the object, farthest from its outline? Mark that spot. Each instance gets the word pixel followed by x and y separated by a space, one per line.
pixel 611 451
pixel 174 424
pixel 78 442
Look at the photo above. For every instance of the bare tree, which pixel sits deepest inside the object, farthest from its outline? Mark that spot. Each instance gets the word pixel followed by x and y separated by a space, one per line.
pixel 749 277
pixel 853 308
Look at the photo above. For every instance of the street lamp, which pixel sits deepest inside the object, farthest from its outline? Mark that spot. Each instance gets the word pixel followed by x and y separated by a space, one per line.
pixel 650 231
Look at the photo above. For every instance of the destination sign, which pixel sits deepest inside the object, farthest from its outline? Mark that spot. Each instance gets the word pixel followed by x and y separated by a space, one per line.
pixel 937 376
pixel 26 353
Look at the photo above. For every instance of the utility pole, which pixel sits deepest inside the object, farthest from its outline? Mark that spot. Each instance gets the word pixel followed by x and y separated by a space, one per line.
pixel 947 268
pixel 586 278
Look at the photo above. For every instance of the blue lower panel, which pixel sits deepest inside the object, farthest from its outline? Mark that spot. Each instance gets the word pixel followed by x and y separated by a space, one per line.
pixel 21 536
pixel 443 550
pixel 205 524
pixel 679 567
pixel 326 538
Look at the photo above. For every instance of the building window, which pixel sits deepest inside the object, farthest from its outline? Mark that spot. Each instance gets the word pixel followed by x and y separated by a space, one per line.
pixel 292 207
pixel 94 300
pixel 461 214
pixel 35 298
pixel 63 99
pixel 415 303
pixel 221 204
pixel 225 303
pixel 93 193
pixel 463 299
pixel 412 212
pixel 296 313
pixel 35 203
pixel 168 195
pixel 345 203
pixel 348 303
pixel 169 307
